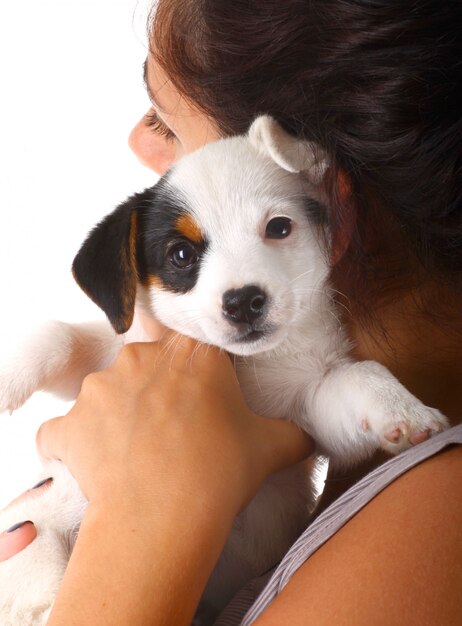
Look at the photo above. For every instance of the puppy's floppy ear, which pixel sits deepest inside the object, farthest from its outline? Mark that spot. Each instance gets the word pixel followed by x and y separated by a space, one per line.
pixel 292 154
pixel 106 264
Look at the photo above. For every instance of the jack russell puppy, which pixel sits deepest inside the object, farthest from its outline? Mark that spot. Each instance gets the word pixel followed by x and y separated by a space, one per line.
pixel 226 249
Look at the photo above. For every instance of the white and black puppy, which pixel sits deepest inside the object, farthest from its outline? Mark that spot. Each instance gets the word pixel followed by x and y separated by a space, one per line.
pixel 225 248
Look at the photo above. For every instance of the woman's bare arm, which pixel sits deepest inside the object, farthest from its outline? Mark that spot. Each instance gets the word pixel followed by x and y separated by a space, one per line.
pixel 398 561
pixel 140 569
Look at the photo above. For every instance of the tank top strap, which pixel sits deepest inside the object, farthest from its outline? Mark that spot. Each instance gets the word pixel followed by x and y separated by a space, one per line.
pixel 267 587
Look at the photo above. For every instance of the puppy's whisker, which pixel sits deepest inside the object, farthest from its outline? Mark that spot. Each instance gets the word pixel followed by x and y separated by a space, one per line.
pixel 310 271
pixel 171 347
pixel 341 303
pixel 333 304
pixel 256 376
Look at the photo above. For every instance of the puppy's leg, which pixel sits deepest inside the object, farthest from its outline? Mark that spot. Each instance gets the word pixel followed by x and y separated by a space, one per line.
pixel 57 358
pixel 360 406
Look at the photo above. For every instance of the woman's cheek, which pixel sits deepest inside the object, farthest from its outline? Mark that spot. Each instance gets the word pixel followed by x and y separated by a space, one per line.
pixel 154 151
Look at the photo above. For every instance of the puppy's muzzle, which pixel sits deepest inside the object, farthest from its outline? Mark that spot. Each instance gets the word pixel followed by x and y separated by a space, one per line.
pixel 245 308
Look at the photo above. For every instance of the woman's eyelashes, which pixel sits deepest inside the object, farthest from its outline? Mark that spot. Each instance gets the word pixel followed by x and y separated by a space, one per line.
pixel 158 126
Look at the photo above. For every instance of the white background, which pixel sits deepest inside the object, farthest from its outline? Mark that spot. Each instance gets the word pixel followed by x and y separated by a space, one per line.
pixel 70 90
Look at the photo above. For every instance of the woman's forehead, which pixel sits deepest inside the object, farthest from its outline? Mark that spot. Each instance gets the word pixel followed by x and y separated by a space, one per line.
pixel 158 86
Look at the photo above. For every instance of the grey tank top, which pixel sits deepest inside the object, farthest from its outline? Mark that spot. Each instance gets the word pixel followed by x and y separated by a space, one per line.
pixel 251 601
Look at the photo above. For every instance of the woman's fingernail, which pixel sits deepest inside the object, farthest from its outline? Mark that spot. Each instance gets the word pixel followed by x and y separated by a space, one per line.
pixel 17 526
pixel 42 482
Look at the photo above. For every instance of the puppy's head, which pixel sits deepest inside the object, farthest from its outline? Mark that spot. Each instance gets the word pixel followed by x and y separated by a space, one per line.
pixel 224 248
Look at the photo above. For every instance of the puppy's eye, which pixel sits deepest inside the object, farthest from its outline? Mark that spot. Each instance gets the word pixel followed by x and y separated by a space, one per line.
pixel 278 228
pixel 183 255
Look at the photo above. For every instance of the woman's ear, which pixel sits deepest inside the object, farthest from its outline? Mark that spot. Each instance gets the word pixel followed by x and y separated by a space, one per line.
pixel 343 232
pixel 106 264
pixel 292 154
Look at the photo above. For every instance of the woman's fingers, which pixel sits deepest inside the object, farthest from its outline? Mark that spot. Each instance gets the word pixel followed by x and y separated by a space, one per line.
pixel 43 484
pixel 16 539
pixel 50 439
pixel 21 534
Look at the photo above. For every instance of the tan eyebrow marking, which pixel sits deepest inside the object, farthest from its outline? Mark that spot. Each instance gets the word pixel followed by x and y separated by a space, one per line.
pixel 188 227
pixel 152 280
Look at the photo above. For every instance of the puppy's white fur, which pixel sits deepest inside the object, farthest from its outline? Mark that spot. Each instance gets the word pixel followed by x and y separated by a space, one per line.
pixel 300 369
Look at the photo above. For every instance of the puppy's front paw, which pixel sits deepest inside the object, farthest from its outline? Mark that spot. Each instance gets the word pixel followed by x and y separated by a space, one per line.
pixel 37 361
pixel 16 386
pixel 395 417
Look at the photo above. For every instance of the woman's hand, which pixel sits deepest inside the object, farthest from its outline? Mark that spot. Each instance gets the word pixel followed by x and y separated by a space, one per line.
pixel 168 421
pixel 167 453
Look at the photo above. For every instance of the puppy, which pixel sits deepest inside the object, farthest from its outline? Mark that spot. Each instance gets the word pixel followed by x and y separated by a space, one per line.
pixel 225 248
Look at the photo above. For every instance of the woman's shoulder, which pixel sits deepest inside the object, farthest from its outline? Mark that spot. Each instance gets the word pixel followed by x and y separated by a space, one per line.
pixel 398 560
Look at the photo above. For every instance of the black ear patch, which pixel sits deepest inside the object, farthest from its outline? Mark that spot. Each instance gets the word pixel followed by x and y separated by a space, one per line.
pixel 106 264
pixel 149 239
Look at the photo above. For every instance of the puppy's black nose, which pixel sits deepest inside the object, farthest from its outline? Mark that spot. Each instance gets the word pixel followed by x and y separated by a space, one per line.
pixel 244 305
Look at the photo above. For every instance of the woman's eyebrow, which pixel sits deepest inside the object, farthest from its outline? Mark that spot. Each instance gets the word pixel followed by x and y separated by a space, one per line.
pixel 148 87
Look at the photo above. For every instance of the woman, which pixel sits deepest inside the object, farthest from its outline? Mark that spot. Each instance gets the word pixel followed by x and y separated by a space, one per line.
pixel 167 467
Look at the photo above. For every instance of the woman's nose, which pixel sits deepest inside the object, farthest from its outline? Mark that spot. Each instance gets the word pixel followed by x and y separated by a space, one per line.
pixel 154 151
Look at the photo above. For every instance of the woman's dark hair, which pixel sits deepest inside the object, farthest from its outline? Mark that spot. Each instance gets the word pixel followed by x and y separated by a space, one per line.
pixel 376 83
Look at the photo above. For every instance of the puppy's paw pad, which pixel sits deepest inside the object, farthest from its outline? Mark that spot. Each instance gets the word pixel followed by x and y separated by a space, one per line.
pixel 417 438
pixel 394 436
pixel 419 423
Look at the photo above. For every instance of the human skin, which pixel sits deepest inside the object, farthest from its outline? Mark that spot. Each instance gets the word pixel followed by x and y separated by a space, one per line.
pixel 411 527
